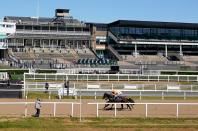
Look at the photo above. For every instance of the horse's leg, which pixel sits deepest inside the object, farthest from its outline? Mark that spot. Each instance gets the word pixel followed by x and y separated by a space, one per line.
pixel 122 106
pixel 128 106
pixel 105 106
pixel 112 106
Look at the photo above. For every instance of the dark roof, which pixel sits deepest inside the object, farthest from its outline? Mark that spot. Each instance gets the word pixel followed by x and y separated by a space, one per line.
pixel 98 24
pixel 154 24
pixel 34 19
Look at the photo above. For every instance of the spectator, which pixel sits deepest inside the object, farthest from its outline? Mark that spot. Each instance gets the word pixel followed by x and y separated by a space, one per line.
pixel 37 107
pixel 46 87
pixel 8 83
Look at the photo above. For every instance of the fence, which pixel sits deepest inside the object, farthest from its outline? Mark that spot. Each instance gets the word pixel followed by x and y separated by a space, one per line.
pixel 109 77
pixel 99 92
pixel 176 110
pixel 25 104
pixel 112 85
pixel 146 107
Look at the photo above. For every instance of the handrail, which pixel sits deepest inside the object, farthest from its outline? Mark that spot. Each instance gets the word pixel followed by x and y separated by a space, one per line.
pixel 54 105
pixel 146 106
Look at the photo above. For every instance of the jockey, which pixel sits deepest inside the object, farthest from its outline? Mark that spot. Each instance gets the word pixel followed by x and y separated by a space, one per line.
pixel 116 94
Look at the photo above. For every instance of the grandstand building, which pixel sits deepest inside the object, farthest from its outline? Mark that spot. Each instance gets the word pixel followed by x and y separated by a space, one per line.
pixel 154 38
pixel 61 39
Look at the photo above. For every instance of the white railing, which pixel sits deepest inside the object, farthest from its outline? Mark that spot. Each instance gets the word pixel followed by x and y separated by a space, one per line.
pixel 43 103
pixel 40 32
pixel 146 107
pixel 110 77
pixel 99 92
pixel 120 86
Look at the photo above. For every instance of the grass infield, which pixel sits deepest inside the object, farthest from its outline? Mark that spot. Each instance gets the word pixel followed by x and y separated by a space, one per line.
pixel 96 123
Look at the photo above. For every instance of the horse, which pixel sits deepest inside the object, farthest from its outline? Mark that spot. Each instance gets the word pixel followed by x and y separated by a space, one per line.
pixel 121 99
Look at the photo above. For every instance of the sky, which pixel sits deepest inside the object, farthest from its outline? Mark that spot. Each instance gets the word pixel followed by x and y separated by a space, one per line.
pixel 106 11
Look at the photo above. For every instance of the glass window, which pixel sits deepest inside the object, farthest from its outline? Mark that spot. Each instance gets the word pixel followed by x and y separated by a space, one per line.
pixel 139 31
pixel 19 27
pixel 132 30
pixel 70 29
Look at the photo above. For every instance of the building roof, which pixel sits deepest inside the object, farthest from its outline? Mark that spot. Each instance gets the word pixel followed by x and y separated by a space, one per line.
pixel 33 20
pixel 154 24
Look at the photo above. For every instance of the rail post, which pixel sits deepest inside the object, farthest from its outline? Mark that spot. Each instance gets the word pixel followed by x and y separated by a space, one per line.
pixel 97 110
pixel 162 95
pixel 49 94
pixel 146 110
pixel 54 109
pixel 184 95
pixel 24 85
pixel 95 95
pixel 177 111
pixel 140 95
pixel 72 109
pixel 25 109
pixel 115 110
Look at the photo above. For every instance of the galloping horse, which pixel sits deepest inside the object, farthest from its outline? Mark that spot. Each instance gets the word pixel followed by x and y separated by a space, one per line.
pixel 121 99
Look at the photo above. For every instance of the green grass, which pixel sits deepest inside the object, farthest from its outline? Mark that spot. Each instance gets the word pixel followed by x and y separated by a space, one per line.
pixel 96 123
pixel 42 95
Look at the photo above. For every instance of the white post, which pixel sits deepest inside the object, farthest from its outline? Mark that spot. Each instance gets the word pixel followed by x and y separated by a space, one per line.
pixel 54 109
pixel 115 109
pixel 146 110
pixel 155 87
pixel 95 95
pixel 72 113
pixel 180 50
pixel 80 107
pixel 50 95
pixel 140 95
pixel 177 110
pixel 24 85
pixel 162 95
pixel 184 95
pixel 166 54
pixel 97 109
pixel 25 109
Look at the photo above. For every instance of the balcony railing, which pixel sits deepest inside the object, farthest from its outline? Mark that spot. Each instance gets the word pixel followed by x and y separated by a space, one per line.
pixel 53 32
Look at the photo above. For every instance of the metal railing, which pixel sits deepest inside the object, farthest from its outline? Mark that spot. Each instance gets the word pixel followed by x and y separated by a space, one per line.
pixel 110 77
pixel 99 92
pixel 53 32
pixel 25 104
pixel 146 107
